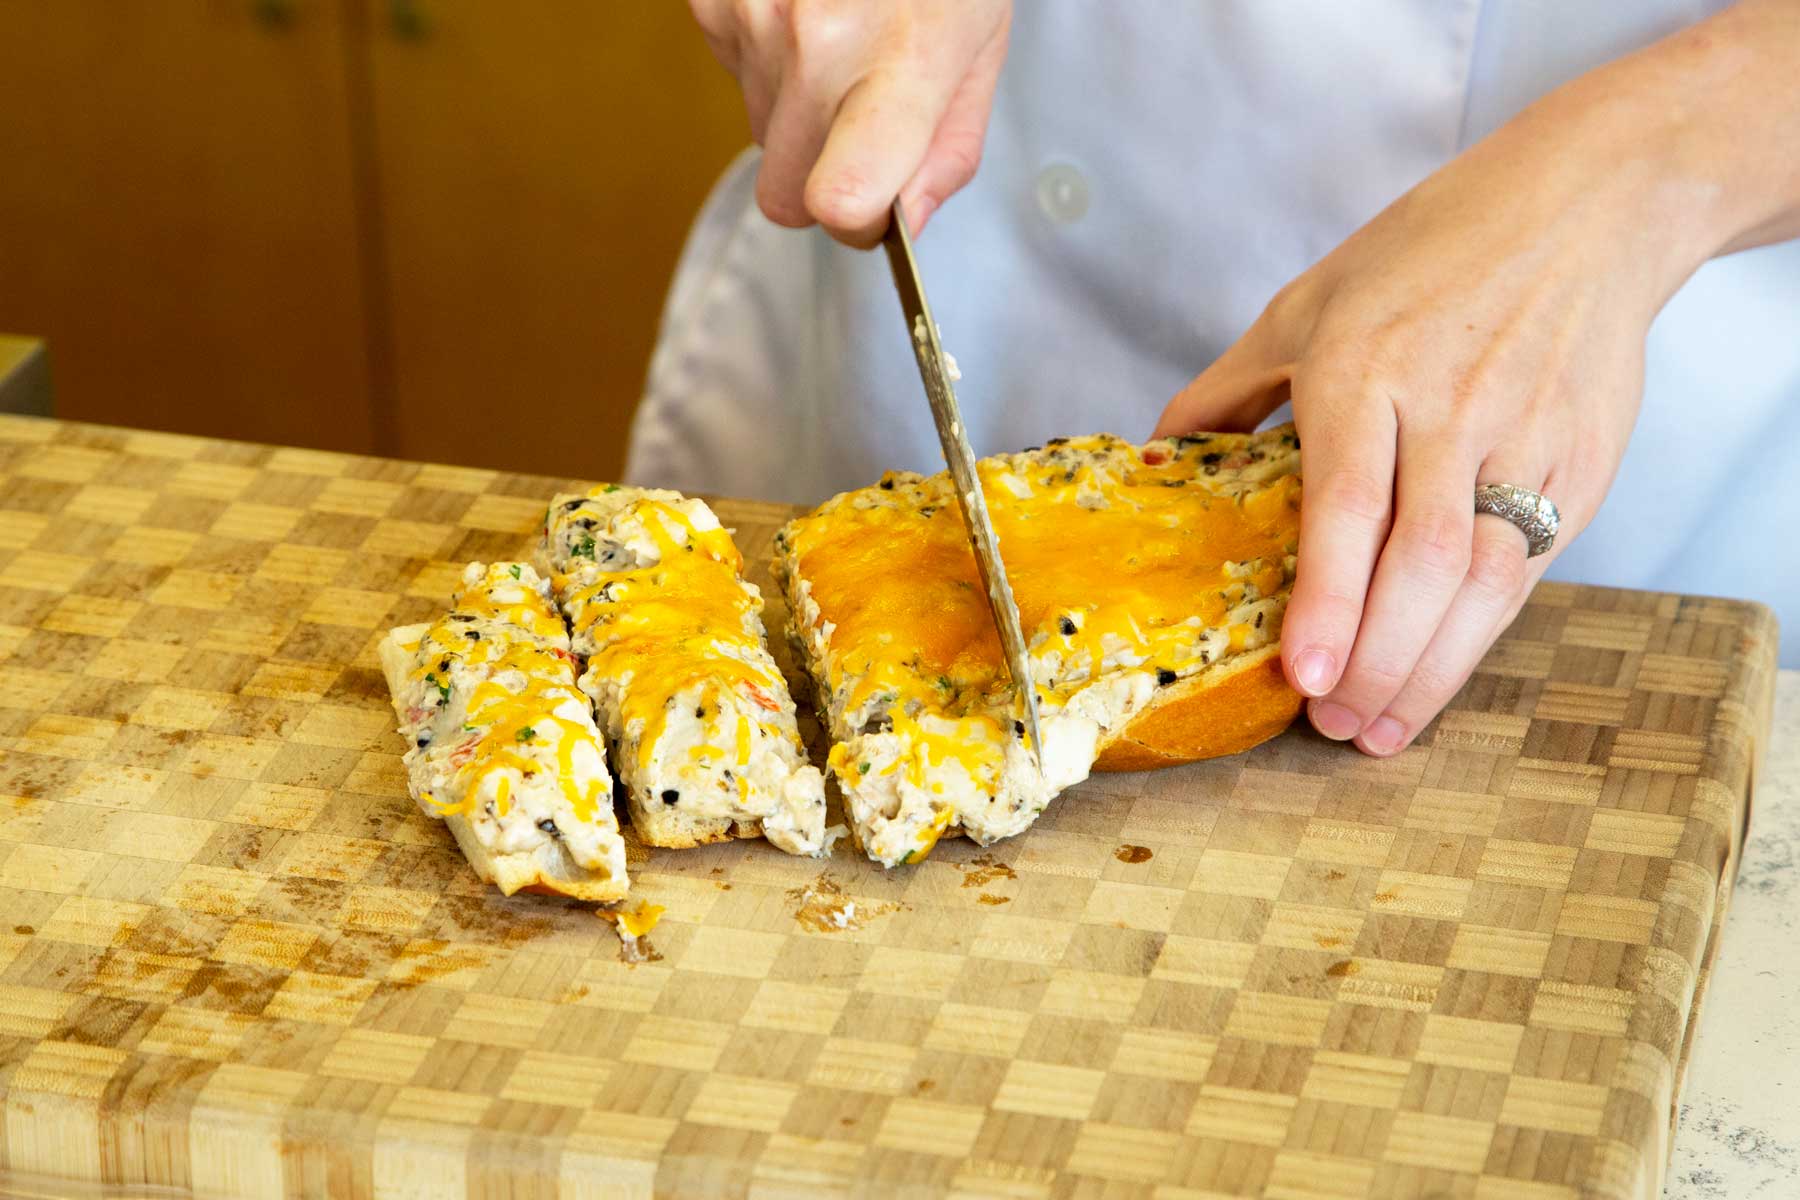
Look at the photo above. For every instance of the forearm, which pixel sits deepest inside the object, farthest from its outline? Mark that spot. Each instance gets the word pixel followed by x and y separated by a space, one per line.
pixel 1707 123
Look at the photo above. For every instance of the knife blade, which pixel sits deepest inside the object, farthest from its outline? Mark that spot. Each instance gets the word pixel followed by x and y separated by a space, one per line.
pixel 922 332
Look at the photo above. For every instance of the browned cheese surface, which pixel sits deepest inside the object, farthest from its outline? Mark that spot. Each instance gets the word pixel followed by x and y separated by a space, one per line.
pixel 235 959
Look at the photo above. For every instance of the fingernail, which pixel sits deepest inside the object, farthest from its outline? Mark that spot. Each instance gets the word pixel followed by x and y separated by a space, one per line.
pixel 1384 735
pixel 1314 669
pixel 1334 721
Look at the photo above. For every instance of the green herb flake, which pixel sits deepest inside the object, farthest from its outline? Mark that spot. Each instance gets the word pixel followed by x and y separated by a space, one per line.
pixel 515 571
pixel 862 768
pixel 610 489
pixel 584 548
pixel 525 734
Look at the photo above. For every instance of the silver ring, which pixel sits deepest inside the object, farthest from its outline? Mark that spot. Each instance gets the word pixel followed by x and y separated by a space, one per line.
pixel 1532 512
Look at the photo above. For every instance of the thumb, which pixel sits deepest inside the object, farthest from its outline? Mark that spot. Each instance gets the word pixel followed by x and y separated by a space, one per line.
pixel 1232 395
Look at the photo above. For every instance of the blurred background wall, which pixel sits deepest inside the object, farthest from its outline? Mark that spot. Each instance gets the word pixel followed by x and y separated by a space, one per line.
pixel 439 229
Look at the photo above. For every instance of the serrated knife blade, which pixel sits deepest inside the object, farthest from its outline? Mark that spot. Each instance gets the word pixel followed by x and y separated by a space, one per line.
pixel 928 350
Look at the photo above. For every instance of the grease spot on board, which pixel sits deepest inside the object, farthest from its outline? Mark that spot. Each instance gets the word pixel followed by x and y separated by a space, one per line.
pixel 823 907
pixel 984 869
pixel 1133 854
pixel 1343 968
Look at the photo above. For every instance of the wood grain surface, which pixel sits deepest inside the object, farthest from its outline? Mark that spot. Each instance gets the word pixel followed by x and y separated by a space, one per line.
pixel 236 960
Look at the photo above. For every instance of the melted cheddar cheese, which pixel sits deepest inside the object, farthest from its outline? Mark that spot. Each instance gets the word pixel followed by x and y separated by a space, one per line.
pixel 681 623
pixel 1152 563
pixel 672 636
pixel 500 731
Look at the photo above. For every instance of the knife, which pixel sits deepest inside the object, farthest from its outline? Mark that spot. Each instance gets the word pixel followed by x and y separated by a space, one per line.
pixel 922 332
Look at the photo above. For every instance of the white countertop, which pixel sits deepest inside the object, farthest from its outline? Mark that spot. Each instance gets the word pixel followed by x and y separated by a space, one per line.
pixel 1739 1133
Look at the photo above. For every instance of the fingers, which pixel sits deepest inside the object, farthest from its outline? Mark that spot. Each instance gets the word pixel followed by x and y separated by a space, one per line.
pixel 795 133
pixel 877 141
pixel 1230 396
pixel 1498 580
pixel 1422 566
pixel 955 151
pixel 1251 379
pixel 854 103
pixel 1347 451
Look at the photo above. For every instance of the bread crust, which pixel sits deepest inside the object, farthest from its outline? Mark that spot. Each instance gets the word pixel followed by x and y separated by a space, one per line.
pixel 1241 703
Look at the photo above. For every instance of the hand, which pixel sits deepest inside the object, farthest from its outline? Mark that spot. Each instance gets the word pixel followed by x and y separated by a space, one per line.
pixel 856 103
pixel 1488 327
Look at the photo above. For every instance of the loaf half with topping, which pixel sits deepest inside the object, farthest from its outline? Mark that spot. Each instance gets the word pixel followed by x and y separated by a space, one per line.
pixel 1151 584
pixel 502 744
pixel 699 718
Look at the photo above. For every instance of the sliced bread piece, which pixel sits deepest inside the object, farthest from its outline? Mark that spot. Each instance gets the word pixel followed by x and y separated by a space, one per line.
pixel 502 744
pixel 698 715
pixel 1151 585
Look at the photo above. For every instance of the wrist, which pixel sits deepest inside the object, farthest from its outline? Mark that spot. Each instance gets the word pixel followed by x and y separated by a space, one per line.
pixel 1702 126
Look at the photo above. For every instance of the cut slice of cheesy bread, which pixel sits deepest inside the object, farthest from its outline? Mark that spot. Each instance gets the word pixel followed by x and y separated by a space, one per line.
pixel 699 717
pixel 1151 584
pixel 502 743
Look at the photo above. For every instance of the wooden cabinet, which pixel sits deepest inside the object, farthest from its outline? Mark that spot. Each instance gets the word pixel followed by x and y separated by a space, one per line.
pixel 178 215
pixel 538 164
pixel 360 224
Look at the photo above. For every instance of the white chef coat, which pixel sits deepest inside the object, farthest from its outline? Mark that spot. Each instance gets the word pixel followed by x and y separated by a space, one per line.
pixel 1153 173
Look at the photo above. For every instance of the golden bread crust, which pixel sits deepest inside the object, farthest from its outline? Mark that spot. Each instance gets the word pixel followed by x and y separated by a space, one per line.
pixel 1242 703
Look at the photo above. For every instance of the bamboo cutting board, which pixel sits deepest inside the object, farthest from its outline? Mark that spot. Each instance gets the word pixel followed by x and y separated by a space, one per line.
pixel 234 959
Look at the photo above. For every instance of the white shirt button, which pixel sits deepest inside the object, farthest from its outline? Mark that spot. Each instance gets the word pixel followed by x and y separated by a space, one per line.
pixel 1062 193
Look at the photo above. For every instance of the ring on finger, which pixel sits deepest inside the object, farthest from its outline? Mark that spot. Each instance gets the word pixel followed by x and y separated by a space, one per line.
pixel 1534 514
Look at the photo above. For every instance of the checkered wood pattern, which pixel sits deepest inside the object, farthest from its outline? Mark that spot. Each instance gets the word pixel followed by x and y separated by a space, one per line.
pixel 234 958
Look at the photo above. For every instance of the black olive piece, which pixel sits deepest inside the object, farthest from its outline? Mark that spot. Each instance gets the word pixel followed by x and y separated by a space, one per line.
pixel 444 666
pixel 700 714
pixel 1259 618
pixel 670 796
pixel 474 635
pixel 1031 450
pixel 1212 459
pixel 1067 626
pixel 1018 728
pixel 1057 442
pixel 424 741
pixel 887 485
pixel 549 827
pixel 1164 677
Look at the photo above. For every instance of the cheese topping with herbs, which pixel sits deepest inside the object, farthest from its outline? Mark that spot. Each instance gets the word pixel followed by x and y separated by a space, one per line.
pixel 672 635
pixel 1133 568
pixel 500 732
